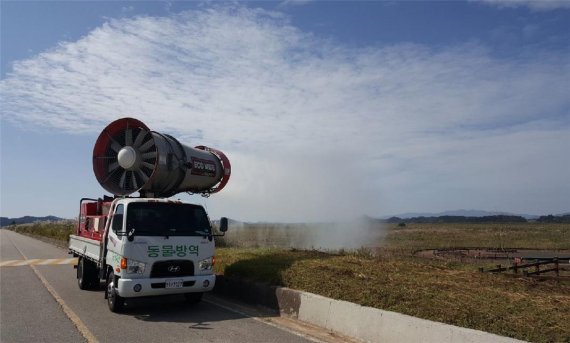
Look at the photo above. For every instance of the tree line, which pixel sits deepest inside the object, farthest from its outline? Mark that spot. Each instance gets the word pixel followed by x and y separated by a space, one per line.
pixel 485 219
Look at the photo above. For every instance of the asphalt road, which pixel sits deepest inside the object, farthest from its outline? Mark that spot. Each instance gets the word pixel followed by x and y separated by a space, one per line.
pixel 44 304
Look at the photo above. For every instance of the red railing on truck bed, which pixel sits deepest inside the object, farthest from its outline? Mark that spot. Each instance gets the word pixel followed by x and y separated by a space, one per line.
pixel 93 214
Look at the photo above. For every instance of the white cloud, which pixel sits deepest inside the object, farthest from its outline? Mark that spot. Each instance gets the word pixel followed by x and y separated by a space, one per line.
pixel 536 5
pixel 286 3
pixel 315 129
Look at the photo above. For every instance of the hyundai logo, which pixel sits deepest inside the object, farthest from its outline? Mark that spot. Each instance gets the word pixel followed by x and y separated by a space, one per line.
pixel 174 269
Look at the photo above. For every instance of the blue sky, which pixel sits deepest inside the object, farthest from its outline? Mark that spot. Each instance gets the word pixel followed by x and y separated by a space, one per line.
pixel 326 109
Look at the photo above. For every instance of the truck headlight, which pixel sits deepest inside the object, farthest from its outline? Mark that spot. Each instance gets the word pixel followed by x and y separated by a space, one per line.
pixel 206 264
pixel 135 267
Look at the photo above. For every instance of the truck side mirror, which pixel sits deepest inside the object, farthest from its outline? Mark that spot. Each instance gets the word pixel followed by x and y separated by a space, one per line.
pixel 223 224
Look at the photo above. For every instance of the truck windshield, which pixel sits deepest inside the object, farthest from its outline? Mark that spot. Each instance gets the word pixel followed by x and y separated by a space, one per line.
pixel 167 219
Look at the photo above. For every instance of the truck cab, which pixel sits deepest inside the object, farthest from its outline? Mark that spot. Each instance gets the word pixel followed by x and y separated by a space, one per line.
pixel 151 246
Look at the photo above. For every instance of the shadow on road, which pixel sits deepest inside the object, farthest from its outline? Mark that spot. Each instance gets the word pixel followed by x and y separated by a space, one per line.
pixel 175 309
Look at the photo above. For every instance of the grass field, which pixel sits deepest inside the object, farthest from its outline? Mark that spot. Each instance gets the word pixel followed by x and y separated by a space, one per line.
pixel 447 292
pixel 450 292
pixel 58 230
pixel 409 238
pixel 515 235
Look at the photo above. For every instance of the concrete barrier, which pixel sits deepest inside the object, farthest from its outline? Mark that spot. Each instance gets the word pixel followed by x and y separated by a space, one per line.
pixel 375 325
pixel 363 323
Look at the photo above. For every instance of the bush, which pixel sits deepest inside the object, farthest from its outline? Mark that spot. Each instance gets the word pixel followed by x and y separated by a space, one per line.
pixel 56 230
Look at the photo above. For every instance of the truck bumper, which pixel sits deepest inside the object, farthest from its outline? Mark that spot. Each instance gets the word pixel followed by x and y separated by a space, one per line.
pixel 156 286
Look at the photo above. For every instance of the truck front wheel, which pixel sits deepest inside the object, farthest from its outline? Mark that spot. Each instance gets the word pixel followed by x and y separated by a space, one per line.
pixel 114 301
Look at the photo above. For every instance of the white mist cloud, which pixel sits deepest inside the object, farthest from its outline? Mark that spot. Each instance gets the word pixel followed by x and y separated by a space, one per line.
pixel 316 130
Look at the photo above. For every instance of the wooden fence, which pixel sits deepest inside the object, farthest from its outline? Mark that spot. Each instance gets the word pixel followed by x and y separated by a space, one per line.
pixel 536 268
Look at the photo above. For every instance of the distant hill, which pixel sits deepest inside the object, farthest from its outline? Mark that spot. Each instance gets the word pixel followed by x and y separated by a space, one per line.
pixel 4 221
pixel 459 219
pixel 462 213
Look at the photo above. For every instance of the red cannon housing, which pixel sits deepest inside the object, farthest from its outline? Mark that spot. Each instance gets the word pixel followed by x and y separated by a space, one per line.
pixel 129 157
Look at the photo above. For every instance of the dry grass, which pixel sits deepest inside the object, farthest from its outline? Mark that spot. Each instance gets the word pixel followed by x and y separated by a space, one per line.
pixel 406 239
pixel 446 292
pixel 58 230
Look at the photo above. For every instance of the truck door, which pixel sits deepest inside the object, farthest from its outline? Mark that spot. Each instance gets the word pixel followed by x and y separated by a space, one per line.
pixel 117 231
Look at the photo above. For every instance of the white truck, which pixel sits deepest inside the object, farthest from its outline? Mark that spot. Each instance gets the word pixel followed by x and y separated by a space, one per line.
pixel 148 245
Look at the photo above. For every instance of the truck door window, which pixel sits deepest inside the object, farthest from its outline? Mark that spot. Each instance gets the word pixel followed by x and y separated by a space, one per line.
pixel 118 218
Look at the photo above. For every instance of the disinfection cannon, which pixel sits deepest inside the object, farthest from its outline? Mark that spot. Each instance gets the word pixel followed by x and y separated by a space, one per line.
pixel 129 157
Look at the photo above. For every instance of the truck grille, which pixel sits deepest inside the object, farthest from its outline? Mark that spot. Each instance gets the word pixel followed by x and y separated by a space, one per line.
pixel 172 268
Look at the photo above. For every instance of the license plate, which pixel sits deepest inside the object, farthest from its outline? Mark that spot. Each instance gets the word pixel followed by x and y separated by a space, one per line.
pixel 173 284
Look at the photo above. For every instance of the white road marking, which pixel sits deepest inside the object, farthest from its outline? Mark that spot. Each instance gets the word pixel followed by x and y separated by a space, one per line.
pixel 39 262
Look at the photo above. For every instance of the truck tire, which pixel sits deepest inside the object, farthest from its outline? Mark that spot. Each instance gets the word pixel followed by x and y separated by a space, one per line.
pixel 115 302
pixel 193 298
pixel 95 280
pixel 87 276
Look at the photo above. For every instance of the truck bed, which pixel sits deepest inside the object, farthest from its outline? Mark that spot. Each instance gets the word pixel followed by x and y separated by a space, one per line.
pixel 85 247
